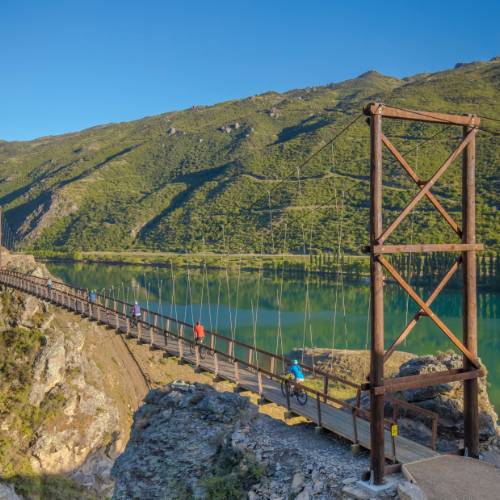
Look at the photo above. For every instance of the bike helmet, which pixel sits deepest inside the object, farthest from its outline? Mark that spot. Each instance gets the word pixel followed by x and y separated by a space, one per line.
pixel 295 361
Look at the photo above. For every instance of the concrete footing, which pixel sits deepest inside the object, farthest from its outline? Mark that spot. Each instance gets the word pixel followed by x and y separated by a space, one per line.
pixel 375 490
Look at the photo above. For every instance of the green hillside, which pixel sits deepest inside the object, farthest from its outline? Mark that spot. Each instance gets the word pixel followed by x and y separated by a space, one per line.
pixel 215 177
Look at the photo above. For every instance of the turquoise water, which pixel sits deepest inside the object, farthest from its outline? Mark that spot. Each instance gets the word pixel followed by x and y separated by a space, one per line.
pixel 247 305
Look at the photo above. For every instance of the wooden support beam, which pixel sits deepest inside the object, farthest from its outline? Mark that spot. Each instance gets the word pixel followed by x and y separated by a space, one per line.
pixel 427 247
pixel 426 188
pixel 355 426
pixel 181 342
pixel 399 384
pixel 377 433
pixel 236 373
pixel 471 388
pixel 426 309
pixel 216 364
pixel 413 175
pixel 409 327
pixel 259 383
pixel 152 330
pixel 380 109
pixel 318 409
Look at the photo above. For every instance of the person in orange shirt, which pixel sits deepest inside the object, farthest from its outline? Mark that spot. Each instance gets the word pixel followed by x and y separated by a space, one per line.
pixel 199 332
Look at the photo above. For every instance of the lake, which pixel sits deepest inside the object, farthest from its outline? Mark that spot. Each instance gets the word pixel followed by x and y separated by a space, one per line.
pixel 316 314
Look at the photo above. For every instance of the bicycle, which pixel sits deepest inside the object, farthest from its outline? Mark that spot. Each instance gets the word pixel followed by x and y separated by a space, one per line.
pixel 201 348
pixel 295 390
pixel 134 321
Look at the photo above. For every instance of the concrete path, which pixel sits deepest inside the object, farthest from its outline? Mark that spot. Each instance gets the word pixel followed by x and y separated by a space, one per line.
pixel 454 477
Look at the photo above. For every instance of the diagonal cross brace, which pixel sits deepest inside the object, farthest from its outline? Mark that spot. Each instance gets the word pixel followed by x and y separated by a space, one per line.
pixel 413 175
pixel 409 290
pixel 409 327
pixel 426 188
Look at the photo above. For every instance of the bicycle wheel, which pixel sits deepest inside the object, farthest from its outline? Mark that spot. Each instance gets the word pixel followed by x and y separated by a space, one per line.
pixel 301 396
pixel 284 384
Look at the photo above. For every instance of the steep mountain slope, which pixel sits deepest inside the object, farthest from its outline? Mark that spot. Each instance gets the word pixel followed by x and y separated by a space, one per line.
pixel 215 177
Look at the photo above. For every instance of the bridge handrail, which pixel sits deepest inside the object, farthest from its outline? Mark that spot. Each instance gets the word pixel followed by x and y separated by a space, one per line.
pixel 284 359
pixel 356 410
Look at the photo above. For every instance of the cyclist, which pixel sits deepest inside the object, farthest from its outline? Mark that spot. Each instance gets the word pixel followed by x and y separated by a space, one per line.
pixel 136 312
pixel 199 333
pixel 296 372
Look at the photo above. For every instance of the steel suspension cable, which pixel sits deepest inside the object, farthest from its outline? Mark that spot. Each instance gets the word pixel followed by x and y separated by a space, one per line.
pixel 429 115
pixel 255 309
pixel 279 293
pixel 237 299
pixel 341 267
pixel 173 303
pixel 226 252
pixel 334 315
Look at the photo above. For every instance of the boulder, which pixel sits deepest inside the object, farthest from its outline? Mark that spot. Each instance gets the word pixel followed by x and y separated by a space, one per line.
pixel 274 113
pixel 7 492
pixel 444 399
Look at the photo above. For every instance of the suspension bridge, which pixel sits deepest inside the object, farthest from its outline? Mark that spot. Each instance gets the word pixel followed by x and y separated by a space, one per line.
pixel 250 368
pixel 261 372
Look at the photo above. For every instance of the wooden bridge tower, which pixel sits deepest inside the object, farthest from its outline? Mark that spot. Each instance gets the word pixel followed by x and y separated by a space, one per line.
pixel 466 248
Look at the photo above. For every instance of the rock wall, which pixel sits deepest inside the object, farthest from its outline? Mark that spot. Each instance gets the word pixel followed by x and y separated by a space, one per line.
pixel 83 390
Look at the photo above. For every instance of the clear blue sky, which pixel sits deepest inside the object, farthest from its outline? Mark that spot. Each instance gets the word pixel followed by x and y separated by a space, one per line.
pixel 71 64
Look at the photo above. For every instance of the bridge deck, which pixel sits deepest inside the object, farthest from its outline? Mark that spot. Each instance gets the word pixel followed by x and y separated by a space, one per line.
pixel 247 375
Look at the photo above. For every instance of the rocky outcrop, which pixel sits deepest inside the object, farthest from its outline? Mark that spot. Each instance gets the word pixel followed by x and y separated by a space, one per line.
pixel 7 492
pixel 177 438
pixel 191 441
pixel 81 390
pixel 86 416
pixel 446 400
pixel 20 262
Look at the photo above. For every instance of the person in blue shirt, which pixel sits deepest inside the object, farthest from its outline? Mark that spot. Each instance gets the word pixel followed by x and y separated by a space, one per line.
pixel 92 296
pixel 296 372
